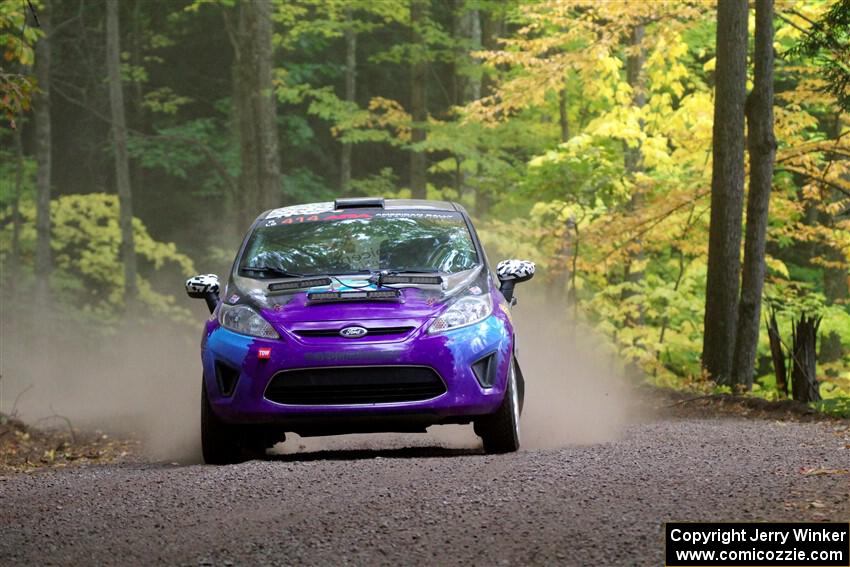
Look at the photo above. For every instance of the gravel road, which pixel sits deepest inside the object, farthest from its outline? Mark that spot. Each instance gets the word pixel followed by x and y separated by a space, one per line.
pixel 599 503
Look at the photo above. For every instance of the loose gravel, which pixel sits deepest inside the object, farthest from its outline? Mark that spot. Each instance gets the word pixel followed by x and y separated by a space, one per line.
pixel 578 505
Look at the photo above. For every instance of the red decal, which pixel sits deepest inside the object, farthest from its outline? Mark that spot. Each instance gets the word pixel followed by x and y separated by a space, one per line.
pixel 264 353
pixel 346 216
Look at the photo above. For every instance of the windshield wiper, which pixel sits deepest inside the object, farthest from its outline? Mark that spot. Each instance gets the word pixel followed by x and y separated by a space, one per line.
pixel 272 272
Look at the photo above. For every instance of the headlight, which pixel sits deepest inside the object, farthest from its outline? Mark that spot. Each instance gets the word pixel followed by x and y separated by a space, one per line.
pixel 242 319
pixel 465 311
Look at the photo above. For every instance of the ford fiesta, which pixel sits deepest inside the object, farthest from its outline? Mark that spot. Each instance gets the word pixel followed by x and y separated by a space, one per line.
pixel 361 315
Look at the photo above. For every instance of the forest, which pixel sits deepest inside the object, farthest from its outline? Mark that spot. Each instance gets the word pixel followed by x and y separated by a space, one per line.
pixel 679 170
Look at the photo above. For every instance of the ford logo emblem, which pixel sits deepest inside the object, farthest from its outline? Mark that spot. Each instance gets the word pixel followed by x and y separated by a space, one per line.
pixel 353 332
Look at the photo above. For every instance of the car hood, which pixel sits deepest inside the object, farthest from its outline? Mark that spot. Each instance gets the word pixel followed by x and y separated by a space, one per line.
pixel 417 302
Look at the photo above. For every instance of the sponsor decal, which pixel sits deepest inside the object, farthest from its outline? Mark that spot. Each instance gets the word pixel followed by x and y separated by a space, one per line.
pixel 294 220
pixel 346 356
pixel 233 299
pixel 416 215
pixel 264 353
pixel 475 290
pixel 346 216
pixel 302 210
pixel 299 219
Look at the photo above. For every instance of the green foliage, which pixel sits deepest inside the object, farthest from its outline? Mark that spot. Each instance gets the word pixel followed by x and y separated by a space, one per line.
pixel 9 175
pixel 303 185
pixel 164 100
pixel 531 119
pixel 88 281
pixel 828 43
pixel 838 406
pixel 16 42
pixel 196 150
pixel 653 221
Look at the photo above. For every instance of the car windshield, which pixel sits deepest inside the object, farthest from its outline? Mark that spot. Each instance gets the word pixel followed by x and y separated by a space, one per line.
pixel 361 241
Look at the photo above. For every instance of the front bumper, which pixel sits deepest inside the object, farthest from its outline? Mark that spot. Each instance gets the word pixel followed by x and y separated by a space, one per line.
pixel 450 354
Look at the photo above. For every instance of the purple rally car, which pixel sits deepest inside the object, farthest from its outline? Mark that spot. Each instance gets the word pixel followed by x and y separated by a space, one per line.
pixel 361 315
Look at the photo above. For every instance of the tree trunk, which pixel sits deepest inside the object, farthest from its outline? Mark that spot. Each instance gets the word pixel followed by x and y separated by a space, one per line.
pixel 777 355
pixel 803 374
pixel 572 294
pixel 350 93
pixel 632 160
pixel 418 103
pixel 836 279
pixel 15 252
pixel 43 157
pixel 259 178
pixel 230 209
pixel 762 148
pixel 559 270
pixel 456 84
pixel 119 138
pixel 466 32
pixel 472 85
pixel 134 44
pixel 492 28
pixel 136 111
pixel 727 191
pixel 634 77
pixel 563 118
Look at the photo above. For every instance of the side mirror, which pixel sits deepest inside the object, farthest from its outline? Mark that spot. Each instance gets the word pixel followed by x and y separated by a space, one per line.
pixel 512 272
pixel 205 287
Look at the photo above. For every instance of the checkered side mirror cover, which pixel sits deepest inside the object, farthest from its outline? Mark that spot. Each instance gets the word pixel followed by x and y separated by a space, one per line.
pixel 515 269
pixel 199 286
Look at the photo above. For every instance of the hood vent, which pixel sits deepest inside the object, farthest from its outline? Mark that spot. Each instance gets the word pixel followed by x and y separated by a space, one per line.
pixel 332 296
pixel 299 284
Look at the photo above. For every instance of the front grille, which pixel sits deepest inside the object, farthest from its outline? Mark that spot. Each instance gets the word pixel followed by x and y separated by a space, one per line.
pixel 379 331
pixel 354 385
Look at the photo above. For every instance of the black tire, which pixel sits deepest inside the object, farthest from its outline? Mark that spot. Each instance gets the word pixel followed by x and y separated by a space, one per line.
pixel 219 441
pixel 500 430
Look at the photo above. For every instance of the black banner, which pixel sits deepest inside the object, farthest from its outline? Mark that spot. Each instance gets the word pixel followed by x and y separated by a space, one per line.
pixel 744 544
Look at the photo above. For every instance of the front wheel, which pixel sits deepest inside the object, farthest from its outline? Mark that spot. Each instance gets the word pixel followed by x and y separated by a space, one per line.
pixel 220 442
pixel 500 430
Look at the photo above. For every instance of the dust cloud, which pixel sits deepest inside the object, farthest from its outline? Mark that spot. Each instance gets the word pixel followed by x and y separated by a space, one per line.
pixel 144 380
pixel 576 391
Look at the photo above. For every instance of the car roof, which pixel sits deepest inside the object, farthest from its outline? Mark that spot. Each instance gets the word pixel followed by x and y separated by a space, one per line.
pixel 419 204
pixel 388 204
